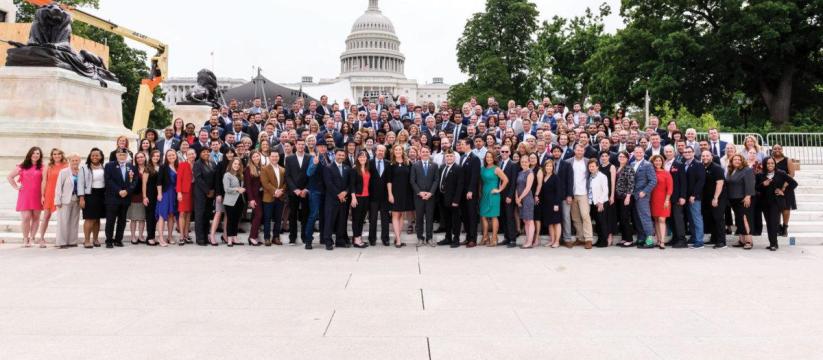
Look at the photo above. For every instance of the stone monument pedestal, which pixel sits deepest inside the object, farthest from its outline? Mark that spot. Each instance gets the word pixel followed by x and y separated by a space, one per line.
pixel 195 114
pixel 56 108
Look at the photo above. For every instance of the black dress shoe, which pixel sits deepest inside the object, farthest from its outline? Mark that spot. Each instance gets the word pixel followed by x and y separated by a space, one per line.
pixel 679 245
pixel 601 244
pixel 511 245
pixel 444 242
pixel 308 247
pixel 329 247
pixel 372 242
pixel 360 246
pixel 386 243
pixel 118 244
pixel 504 242
pixel 109 246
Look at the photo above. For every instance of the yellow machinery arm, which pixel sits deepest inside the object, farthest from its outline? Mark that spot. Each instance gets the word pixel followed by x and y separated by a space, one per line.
pixel 159 62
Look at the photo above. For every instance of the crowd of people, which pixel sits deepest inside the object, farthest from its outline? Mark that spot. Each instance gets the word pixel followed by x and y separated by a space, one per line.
pixel 574 176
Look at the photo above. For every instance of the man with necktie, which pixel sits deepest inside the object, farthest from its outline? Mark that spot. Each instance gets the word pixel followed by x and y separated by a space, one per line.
pixel 336 183
pixel 121 182
pixel 424 184
pixel 451 191
pixel 379 202
pixel 470 166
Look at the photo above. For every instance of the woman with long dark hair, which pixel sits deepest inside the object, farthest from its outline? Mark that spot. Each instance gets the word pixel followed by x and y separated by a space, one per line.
pixel 623 199
pixel 27 180
pixel 359 189
pixel 253 185
pixel 166 211
pixel 91 187
pixel 137 211
pixel 149 188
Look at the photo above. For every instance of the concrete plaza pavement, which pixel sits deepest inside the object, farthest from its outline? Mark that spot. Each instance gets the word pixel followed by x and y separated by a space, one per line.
pixel 427 303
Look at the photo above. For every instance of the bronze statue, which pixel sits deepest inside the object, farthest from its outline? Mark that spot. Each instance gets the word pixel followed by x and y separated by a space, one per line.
pixel 205 92
pixel 49 46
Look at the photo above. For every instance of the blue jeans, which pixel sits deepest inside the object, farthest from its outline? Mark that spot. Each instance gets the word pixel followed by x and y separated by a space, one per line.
pixel 315 202
pixel 695 222
pixel 272 211
pixel 643 213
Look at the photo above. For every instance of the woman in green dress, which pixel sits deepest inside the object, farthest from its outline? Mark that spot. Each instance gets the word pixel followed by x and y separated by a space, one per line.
pixel 494 181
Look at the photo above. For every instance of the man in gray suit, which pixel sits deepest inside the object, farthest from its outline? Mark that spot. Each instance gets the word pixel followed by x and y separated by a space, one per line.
pixel 424 184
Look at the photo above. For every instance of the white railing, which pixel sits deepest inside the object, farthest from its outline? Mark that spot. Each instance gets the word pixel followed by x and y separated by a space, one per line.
pixel 805 147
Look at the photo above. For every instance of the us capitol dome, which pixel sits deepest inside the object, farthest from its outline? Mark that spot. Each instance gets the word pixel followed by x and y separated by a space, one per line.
pixel 372 65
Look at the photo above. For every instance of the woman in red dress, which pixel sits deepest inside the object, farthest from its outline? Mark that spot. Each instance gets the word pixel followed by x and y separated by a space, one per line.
pixel 184 181
pixel 660 201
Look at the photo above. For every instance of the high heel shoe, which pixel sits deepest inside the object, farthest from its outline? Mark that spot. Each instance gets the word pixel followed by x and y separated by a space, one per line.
pixel 256 243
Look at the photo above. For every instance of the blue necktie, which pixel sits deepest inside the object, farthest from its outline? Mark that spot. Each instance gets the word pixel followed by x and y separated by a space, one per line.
pixel 425 168
pixel 380 167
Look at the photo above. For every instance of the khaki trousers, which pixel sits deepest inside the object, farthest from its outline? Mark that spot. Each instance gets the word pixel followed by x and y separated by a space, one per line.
pixel 68 223
pixel 581 218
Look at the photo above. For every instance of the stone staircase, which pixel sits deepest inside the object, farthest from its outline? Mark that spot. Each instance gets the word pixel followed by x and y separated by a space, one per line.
pixel 806 226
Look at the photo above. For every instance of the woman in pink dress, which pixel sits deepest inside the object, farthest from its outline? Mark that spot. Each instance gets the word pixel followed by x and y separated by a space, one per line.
pixel 27 179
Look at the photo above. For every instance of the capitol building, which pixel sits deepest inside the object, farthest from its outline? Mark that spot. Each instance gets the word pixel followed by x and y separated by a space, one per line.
pixel 371 65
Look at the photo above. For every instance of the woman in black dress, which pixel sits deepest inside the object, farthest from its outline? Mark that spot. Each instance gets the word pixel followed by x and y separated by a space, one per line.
pixel 610 171
pixel 551 193
pixel 785 164
pixel 149 189
pixel 623 199
pixel 400 194
pixel 772 184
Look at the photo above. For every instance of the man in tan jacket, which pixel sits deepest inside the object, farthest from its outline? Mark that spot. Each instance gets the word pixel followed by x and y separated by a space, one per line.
pixel 273 179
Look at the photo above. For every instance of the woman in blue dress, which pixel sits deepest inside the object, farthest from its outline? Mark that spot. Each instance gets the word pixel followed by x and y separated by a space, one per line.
pixel 166 211
pixel 525 200
pixel 494 180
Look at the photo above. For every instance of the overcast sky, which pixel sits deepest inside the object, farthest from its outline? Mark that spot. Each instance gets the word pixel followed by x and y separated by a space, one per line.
pixel 292 38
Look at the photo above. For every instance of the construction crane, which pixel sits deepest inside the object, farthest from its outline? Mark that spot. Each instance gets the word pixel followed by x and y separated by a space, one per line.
pixel 159 62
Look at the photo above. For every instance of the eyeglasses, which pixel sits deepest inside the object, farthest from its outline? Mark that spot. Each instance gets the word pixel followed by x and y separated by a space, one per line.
pixel 504 152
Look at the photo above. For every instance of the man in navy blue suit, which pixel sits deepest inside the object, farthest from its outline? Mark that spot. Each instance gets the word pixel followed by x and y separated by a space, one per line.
pixel 121 182
pixel 716 146
pixel 336 181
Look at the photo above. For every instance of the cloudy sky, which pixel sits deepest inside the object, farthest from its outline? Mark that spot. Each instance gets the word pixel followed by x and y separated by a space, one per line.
pixel 292 38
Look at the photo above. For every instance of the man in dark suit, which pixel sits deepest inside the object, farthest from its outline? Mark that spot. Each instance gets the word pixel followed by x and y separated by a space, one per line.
pixel 695 179
pixel 470 166
pixel 458 129
pixel 565 174
pixel 378 193
pixel 450 183
pixel 362 122
pixel 296 183
pixel 324 108
pixel 166 143
pixel 329 129
pixel 424 184
pixel 678 197
pixel 203 172
pixel 202 141
pixel 507 203
pixel 121 181
pixel 336 183
pixel 716 146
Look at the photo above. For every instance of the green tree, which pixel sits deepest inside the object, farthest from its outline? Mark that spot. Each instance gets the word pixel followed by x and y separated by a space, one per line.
pixel 493 51
pixel 128 64
pixel 25 10
pixel 558 63
pixel 700 53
